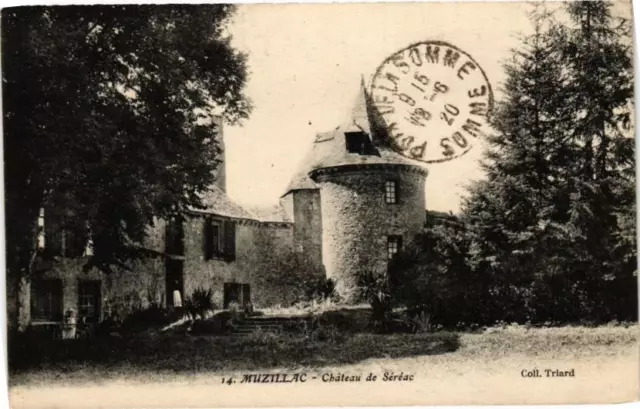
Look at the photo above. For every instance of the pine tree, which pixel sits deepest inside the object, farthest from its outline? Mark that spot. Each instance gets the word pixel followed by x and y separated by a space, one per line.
pixel 596 52
pixel 558 203
pixel 513 212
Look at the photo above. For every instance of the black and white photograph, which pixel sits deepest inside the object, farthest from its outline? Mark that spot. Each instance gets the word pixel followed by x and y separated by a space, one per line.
pixel 332 204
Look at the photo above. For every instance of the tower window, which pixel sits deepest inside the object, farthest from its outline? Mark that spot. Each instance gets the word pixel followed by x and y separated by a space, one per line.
pixel 391 191
pixel 394 245
pixel 359 142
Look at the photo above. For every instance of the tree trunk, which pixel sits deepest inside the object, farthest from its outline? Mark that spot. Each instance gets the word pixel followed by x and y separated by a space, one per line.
pixel 588 159
pixel 21 241
pixel 603 150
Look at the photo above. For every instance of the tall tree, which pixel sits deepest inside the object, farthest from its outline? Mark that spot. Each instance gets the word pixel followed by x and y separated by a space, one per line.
pixel 596 51
pixel 560 169
pixel 107 112
pixel 513 212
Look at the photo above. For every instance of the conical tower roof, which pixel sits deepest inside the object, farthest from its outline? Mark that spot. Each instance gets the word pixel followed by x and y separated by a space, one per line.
pixel 329 149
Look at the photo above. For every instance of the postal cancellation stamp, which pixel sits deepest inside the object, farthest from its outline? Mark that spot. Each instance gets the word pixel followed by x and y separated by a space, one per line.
pixel 435 99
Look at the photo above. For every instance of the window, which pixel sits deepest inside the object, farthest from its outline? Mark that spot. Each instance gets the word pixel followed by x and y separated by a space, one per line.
pixel 88 251
pixel 74 240
pixel 54 240
pixel 62 235
pixel 41 235
pixel 46 300
pixel 89 300
pixel 216 238
pixel 175 236
pixel 219 239
pixel 359 142
pixel 394 245
pixel 236 293
pixel 391 191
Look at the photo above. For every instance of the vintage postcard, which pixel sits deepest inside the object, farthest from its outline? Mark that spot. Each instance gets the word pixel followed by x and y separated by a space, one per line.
pixel 294 205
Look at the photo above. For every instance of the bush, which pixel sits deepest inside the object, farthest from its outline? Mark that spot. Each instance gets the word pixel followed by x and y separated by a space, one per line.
pixel 374 288
pixel 327 333
pixel 219 324
pixel 151 317
pixel 199 303
pixel 422 322
pixel 322 289
pixel 347 320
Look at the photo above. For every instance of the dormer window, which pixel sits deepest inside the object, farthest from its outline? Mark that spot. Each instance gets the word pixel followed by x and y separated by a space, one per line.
pixel 359 142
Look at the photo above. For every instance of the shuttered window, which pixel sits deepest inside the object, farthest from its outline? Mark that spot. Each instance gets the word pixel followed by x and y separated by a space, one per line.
pixel 229 240
pixel 219 239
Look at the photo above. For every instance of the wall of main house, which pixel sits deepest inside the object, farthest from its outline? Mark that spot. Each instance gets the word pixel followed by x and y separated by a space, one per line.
pixel 263 250
pixel 257 245
pixel 121 291
pixel 357 221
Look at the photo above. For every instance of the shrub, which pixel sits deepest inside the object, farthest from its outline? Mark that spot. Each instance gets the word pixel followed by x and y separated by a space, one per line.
pixel 375 289
pixel 203 301
pixel 327 333
pixel 199 303
pixel 422 322
pixel 322 289
pixel 153 316
pixel 218 324
pixel 432 275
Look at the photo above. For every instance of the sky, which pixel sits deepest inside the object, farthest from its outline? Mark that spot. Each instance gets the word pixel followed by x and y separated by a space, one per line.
pixel 306 62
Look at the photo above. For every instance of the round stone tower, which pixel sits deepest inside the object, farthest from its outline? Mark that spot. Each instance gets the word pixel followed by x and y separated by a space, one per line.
pixel 372 200
pixel 368 211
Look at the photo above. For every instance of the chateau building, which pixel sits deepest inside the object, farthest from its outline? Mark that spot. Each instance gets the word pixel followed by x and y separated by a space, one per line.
pixel 352 205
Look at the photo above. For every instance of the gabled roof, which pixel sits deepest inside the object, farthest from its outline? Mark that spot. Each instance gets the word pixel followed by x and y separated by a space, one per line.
pixel 329 148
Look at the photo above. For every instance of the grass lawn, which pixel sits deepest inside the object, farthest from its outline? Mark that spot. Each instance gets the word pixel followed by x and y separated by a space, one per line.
pixel 172 370
pixel 154 355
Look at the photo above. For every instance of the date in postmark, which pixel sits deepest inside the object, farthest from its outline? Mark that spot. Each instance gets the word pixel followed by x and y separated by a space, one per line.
pixel 434 99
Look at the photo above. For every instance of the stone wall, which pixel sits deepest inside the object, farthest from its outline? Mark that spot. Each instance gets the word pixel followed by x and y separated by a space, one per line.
pixel 120 291
pixel 261 248
pixel 357 220
pixel 307 229
pixel 256 244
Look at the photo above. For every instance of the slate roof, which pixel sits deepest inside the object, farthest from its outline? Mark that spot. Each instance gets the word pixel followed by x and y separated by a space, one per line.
pixel 275 213
pixel 329 148
pixel 217 202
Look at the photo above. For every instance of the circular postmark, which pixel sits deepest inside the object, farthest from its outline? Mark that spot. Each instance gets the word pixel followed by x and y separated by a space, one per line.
pixel 434 99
